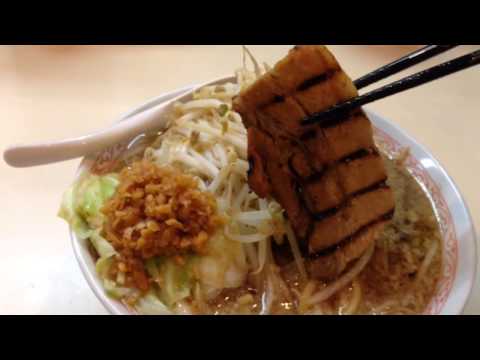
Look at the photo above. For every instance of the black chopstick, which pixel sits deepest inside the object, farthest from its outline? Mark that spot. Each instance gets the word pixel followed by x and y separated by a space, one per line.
pixel 406 83
pixel 403 63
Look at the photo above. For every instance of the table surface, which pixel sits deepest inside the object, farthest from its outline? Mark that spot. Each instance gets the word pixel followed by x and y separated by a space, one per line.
pixel 56 92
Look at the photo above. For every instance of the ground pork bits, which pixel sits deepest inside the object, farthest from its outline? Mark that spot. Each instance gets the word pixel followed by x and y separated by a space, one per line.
pixel 157 211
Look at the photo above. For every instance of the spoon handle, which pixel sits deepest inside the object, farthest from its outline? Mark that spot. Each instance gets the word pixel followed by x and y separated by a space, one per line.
pixel 44 153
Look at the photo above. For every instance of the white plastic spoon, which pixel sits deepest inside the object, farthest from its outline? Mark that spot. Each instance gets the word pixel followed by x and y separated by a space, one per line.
pixel 151 119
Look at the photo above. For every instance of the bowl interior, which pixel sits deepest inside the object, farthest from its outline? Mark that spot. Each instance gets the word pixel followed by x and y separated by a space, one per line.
pixel 456 226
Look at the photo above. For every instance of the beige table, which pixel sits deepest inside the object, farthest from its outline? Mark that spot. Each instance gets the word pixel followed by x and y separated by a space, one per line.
pixel 49 93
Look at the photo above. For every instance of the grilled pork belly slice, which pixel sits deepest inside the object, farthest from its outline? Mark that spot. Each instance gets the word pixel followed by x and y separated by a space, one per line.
pixel 335 185
pixel 358 212
pixel 329 177
pixel 331 264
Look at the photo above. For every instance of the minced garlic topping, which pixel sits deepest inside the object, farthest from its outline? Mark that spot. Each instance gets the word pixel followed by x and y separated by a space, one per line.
pixel 157 211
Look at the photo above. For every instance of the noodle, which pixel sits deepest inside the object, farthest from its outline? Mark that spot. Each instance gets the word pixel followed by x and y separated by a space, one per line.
pixel 209 168
pixel 267 298
pixel 240 199
pixel 219 179
pixel 258 71
pixel 262 256
pixel 426 262
pixel 252 238
pixel 304 296
pixel 296 252
pixel 356 299
pixel 251 255
pixel 202 104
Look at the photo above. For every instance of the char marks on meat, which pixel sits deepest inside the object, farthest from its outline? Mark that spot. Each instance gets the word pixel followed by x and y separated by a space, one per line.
pixel 329 177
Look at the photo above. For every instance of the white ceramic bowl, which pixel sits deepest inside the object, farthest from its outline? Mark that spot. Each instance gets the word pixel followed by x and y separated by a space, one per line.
pixel 456 226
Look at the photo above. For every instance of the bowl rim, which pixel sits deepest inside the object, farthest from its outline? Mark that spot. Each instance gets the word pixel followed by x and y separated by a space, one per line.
pixel 116 308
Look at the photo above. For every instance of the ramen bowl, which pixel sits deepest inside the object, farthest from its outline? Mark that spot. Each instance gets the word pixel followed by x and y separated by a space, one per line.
pixel 456 226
